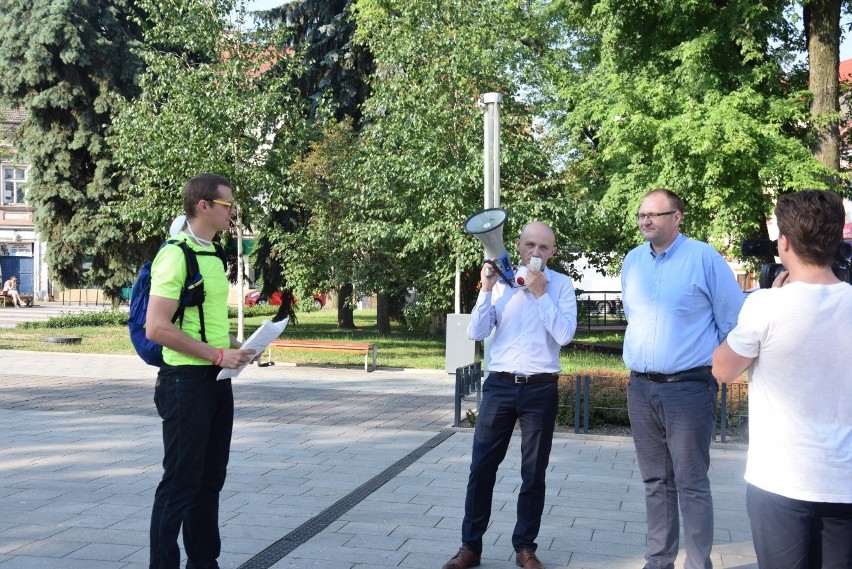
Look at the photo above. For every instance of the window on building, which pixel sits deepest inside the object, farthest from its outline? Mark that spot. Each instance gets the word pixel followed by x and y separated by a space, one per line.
pixel 14 185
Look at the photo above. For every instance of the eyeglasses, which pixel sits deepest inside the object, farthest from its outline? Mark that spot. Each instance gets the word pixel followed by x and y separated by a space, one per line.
pixel 229 205
pixel 652 216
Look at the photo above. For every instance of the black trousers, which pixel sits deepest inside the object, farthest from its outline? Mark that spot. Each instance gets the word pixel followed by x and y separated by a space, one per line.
pixel 504 403
pixel 198 418
pixel 794 534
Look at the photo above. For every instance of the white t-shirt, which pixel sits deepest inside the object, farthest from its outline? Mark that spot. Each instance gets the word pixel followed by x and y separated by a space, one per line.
pixel 800 390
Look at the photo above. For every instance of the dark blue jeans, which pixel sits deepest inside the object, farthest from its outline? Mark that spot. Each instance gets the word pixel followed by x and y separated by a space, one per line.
pixel 504 403
pixel 672 425
pixel 794 534
pixel 198 417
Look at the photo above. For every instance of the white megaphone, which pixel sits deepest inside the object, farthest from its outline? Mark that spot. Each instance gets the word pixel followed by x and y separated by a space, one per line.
pixel 487 226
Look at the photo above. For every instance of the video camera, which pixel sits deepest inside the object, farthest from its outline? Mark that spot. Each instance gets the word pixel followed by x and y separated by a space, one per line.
pixel 769 271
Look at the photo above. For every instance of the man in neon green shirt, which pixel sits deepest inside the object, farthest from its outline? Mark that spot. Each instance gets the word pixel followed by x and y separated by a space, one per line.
pixel 197 410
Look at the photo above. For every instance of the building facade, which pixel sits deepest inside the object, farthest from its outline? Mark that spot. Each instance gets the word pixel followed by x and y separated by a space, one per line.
pixel 21 251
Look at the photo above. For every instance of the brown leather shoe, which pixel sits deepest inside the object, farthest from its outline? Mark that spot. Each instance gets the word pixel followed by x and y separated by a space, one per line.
pixel 462 560
pixel 527 559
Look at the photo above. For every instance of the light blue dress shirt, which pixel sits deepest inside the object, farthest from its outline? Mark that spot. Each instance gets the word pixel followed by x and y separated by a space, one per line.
pixel 530 331
pixel 680 304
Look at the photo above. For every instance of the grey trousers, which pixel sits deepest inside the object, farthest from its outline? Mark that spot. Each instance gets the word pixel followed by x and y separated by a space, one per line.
pixel 672 426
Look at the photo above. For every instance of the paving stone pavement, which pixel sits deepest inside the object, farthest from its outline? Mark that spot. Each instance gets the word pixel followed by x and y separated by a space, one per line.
pixel 80 454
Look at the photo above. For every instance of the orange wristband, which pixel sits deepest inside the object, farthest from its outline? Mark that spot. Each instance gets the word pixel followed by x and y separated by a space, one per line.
pixel 220 353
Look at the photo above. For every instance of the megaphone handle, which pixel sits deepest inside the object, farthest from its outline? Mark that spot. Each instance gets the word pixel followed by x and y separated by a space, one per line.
pixel 490 272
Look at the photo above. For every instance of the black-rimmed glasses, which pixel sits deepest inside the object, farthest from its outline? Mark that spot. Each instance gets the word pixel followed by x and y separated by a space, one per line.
pixel 652 216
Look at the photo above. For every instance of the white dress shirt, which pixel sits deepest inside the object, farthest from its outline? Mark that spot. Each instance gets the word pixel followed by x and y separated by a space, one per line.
pixel 529 331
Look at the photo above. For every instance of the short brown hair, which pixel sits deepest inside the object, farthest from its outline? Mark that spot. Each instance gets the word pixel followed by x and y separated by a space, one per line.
pixel 812 221
pixel 204 186
pixel 674 199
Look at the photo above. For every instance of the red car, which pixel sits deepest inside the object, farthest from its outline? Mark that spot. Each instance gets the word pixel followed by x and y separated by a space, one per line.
pixel 255 298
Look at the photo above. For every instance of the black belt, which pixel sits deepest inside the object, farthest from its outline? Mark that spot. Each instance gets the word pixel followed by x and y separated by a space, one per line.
pixel 694 374
pixel 520 378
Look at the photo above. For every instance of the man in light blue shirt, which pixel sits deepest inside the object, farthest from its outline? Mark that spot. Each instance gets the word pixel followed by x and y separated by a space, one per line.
pixel 681 299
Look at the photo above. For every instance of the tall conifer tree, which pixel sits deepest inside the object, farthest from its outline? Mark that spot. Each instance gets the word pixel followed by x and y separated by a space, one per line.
pixel 67 64
pixel 334 83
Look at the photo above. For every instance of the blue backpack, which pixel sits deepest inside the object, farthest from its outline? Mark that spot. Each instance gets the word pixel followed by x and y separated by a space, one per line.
pixel 192 294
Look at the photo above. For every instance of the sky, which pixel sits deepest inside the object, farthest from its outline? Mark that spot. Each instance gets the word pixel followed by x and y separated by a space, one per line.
pixel 256 6
pixel 846 40
pixel 253 5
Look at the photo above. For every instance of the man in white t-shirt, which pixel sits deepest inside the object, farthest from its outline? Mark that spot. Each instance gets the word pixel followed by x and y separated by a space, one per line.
pixel 796 341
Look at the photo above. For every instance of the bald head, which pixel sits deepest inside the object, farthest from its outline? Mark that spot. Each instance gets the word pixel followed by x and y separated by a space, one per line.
pixel 537 240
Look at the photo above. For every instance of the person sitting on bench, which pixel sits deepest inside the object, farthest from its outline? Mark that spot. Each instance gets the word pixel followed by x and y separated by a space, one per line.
pixel 10 287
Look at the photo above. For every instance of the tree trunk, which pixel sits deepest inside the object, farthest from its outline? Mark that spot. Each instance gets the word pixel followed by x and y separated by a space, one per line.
pixel 383 313
pixel 438 324
pixel 345 316
pixel 822 26
pixel 287 308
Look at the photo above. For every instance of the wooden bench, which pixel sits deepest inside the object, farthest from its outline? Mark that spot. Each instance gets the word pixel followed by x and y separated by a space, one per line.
pixel 368 350
pixel 6 300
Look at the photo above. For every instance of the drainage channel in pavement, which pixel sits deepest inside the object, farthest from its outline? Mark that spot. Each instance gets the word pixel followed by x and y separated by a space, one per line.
pixel 299 536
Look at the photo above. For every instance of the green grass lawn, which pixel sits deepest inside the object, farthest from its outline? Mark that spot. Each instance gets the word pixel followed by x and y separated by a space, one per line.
pixel 403 348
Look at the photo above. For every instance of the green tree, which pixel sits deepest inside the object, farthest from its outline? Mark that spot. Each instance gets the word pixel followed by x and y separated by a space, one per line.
pixel 320 253
pixel 333 84
pixel 705 98
pixel 69 65
pixel 420 166
pixel 335 68
pixel 213 98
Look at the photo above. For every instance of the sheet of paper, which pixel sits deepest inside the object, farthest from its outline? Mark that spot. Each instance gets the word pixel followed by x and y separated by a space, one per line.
pixel 266 332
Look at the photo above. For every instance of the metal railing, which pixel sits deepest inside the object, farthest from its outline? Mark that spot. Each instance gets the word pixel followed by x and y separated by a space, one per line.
pixel 591 401
pixel 603 400
pixel 600 308
pixel 733 410
pixel 468 382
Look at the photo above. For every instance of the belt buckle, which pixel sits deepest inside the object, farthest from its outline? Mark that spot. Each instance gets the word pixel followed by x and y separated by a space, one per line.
pixel 521 378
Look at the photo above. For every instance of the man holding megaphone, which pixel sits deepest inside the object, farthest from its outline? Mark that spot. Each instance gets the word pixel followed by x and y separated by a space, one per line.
pixel 531 323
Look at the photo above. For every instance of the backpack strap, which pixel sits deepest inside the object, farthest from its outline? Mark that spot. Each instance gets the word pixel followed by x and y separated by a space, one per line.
pixel 192 265
pixel 192 271
pixel 219 252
